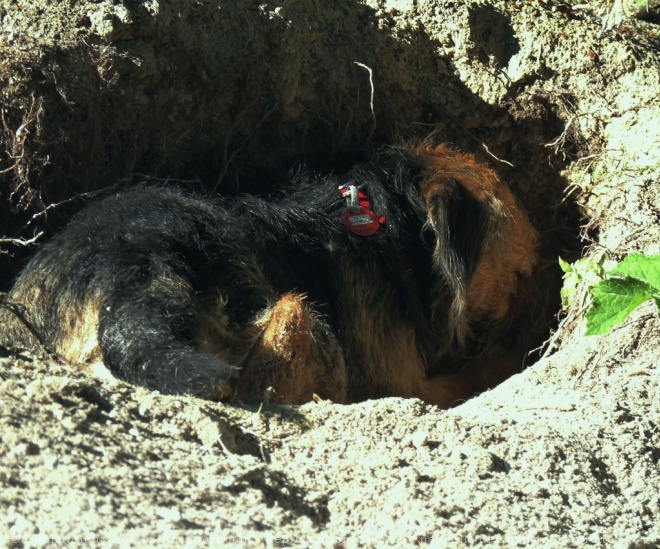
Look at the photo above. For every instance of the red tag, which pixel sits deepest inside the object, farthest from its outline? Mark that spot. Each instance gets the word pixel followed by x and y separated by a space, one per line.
pixel 362 223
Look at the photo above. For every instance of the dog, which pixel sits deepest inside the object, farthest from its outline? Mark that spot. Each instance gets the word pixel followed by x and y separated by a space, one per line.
pixel 403 277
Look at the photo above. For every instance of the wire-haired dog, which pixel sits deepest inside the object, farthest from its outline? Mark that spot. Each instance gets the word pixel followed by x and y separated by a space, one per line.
pixel 400 278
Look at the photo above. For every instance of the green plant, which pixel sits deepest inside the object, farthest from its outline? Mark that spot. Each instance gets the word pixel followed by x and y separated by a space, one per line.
pixel 616 289
pixel 632 282
pixel 581 276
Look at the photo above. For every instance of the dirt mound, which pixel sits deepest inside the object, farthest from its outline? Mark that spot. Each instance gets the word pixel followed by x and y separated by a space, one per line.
pixel 227 96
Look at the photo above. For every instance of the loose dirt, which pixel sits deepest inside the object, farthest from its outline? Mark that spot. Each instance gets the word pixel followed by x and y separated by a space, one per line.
pixel 213 95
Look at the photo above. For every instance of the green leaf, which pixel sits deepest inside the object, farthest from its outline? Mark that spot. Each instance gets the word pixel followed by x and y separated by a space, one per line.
pixel 643 268
pixel 614 300
pixel 565 266
pixel 582 275
pixel 569 289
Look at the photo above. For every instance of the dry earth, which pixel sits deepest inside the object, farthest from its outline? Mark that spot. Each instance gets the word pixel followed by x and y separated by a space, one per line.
pixel 565 454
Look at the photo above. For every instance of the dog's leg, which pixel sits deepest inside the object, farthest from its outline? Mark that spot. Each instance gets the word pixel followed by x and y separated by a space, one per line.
pixel 296 356
pixel 145 338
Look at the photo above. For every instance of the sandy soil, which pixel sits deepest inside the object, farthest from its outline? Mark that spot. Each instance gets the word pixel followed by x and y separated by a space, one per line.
pixel 565 454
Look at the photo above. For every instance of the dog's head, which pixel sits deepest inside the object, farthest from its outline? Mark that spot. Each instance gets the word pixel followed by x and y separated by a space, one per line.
pixel 484 241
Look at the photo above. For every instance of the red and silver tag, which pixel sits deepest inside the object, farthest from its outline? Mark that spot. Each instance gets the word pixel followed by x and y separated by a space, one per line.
pixel 359 218
pixel 363 222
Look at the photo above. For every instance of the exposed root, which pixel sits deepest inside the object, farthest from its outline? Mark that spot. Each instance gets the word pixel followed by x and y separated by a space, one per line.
pixel 371 83
pixel 19 145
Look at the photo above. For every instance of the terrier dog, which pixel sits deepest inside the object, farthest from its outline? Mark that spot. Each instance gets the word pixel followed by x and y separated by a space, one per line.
pixel 401 278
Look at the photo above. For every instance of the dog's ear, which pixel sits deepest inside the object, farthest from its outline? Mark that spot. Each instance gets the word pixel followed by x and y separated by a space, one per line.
pixel 460 224
pixel 483 241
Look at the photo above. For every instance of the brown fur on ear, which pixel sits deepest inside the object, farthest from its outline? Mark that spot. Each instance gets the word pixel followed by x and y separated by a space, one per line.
pixel 484 240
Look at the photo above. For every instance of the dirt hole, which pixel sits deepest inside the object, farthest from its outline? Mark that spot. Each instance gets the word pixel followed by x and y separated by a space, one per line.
pixel 98 97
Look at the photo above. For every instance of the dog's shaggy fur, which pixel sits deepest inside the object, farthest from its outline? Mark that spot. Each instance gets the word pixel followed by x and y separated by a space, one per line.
pixel 236 298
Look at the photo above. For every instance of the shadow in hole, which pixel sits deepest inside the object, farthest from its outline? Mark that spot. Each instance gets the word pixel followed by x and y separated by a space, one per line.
pixel 493 38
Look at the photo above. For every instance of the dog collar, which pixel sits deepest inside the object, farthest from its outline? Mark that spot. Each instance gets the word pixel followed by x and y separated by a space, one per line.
pixel 359 216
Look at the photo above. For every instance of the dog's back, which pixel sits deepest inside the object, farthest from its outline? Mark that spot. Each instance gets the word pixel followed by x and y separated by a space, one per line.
pixel 225 298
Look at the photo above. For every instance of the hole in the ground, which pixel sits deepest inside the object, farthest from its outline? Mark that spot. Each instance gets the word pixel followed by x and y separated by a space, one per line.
pixel 230 119
pixel 519 154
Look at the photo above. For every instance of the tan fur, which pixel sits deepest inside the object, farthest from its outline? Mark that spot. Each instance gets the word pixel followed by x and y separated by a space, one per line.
pixel 295 356
pixel 384 347
pixel 79 343
pixel 391 351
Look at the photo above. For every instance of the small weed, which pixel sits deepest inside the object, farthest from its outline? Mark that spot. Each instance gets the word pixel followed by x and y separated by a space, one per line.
pixel 580 277
pixel 616 289
pixel 635 280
